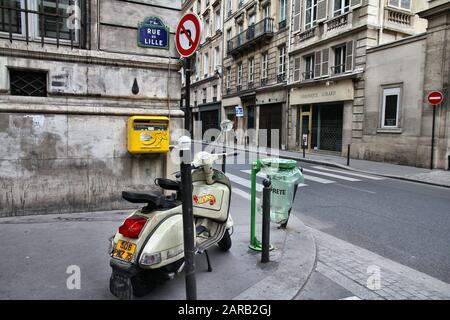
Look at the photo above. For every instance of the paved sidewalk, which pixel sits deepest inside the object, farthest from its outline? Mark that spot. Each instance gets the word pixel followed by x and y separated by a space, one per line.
pixel 408 173
pixel 39 249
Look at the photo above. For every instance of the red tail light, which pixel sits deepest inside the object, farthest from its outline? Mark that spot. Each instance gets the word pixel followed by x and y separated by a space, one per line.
pixel 132 227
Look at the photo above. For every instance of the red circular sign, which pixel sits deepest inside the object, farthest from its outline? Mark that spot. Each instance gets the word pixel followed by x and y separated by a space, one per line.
pixel 435 97
pixel 187 37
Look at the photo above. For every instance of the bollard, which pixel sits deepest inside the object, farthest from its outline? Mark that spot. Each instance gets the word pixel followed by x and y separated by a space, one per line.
pixel 303 147
pixel 348 155
pixel 266 222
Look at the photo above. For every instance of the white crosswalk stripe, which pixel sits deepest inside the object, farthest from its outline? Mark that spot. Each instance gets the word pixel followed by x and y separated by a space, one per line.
pixel 244 182
pixel 350 173
pixel 331 175
pixel 263 175
pixel 317 179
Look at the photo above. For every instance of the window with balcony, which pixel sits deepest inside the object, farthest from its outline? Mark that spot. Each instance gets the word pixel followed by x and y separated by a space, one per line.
pixel 309 67
pixel 390 108
pixel 45 21
pixel 310 13
pixel 195 98
pixel 339 59
pixel 341 7
pixel 206 28
pixel 199 7
pixel 266 11
pixel 283 9
pixel 239 76
pixel 205 64
pixel 229 7
pixel 217 60
pixel 218 21
pixel 400 4
pixel 251 71
pixel 251 19
pixel 204 95
pixel 214 93
pixel 264 68
pixel 281 64
pixel 228 80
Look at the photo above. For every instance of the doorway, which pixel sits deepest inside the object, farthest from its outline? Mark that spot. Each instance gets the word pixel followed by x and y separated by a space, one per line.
pixel 270 120
pixel 304 123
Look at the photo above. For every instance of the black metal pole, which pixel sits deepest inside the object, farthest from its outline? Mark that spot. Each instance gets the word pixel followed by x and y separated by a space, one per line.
pixel 224 158
pixel 188 124
pixel 266 222
pixel 303 147
pixel 348 154
pixel 188 225
pixel 432 137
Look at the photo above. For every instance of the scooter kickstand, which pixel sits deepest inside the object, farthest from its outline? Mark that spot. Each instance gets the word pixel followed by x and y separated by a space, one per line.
pixel 207 260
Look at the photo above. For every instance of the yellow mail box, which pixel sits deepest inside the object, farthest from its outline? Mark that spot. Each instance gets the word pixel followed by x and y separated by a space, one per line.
pixel 148 134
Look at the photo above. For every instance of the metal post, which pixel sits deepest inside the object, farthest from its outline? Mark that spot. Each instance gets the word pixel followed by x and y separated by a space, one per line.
pixel 188 225
pixel 266 222
pixel 348 154
pixel 188 124
pixel 303 147
pixel 432 137
pixel 224 158
pixel 255 244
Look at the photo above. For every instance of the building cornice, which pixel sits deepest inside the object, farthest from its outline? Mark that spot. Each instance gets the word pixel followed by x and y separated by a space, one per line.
pixel 443 8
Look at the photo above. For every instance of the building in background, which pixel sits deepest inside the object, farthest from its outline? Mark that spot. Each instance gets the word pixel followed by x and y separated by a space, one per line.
pixel 206 66
pixel 70 77
pixel 255 70
pixel 437 77
pixel 330 102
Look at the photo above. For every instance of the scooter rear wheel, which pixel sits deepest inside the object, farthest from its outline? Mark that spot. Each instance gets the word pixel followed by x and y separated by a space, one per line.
pixel 225 243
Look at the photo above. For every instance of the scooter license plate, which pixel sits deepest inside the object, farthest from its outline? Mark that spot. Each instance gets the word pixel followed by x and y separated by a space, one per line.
pixel 124 250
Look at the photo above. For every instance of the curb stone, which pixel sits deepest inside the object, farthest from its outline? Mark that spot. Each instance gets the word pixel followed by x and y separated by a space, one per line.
pixel 294 267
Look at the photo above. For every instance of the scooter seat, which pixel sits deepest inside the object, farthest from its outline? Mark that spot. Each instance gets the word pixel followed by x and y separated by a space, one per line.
pixel 154 197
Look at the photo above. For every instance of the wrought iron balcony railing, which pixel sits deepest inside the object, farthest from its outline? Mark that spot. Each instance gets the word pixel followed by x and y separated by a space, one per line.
pixel 261 30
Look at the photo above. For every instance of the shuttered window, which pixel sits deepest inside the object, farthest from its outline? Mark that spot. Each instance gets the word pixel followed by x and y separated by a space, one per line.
pixel 318 61
pixel 325 63
pixel 321 10
pixel 349 56
pixel 297 12
pixel 297 69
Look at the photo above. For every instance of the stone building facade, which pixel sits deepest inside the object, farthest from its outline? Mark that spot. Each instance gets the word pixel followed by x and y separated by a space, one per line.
pixel 328 93
pixel 437 77
pixel 67 88
pixel 255 68
pixel 206 65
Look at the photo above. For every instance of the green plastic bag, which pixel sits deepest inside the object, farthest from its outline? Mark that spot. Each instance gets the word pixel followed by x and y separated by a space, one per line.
pixel 285 177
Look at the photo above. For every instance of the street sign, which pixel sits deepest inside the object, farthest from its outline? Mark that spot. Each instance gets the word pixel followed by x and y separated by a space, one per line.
pixel 152 33
pixel 239 111
pixel 187 37
pixel 435 97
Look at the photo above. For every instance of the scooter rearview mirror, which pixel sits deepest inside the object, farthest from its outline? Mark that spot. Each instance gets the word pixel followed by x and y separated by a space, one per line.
pixel 226 125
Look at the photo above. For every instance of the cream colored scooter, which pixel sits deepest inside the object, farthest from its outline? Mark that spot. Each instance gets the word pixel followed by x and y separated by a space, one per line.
pixel 148 247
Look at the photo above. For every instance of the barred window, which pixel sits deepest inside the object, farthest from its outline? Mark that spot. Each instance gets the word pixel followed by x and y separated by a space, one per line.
pixel 28 83
pixel 42 20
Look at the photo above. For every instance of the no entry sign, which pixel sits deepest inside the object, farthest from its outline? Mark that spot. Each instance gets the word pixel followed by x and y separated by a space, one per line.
pixel 187 37
pixel 435 97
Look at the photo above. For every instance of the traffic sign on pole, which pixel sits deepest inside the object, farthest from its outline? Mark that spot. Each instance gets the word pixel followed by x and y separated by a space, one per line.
pixel 187 37
pixel 435 97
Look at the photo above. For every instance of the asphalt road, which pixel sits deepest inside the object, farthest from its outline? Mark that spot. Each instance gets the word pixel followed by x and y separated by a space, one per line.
pixel 406 222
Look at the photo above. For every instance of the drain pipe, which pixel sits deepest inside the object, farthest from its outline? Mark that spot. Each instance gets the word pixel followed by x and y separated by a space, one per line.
pixel 381 21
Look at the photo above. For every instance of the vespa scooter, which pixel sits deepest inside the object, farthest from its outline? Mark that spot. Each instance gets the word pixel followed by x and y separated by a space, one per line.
pixel 148 248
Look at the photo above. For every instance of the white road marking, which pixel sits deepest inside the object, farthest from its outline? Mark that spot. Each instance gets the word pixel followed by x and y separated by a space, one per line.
pixel 353 188
pixel 244 182
pixel 263 175
pixel 317 179
pixel 331 175
pixel 351 298
pixel 350 173
pixel 243 194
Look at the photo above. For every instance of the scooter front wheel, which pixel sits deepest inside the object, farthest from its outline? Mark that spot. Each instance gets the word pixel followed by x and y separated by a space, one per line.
pixel 225 243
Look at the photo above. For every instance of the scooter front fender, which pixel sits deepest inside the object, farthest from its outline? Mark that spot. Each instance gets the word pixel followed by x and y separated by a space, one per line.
pixel 166 239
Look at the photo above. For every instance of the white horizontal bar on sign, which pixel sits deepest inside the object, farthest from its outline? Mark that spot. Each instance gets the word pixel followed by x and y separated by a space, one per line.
pixel 264 176
pixel 350 173
pixel 331 175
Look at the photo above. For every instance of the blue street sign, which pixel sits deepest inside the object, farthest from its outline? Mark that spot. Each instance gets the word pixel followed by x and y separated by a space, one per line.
pixel 239 111
pixel 152 33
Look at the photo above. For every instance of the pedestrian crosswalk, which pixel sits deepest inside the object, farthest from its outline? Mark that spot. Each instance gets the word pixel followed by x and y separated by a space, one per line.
pixel 313 175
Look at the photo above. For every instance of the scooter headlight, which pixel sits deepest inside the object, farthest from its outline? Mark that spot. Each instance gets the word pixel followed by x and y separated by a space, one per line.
pixel 148 259
pixel 111 245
